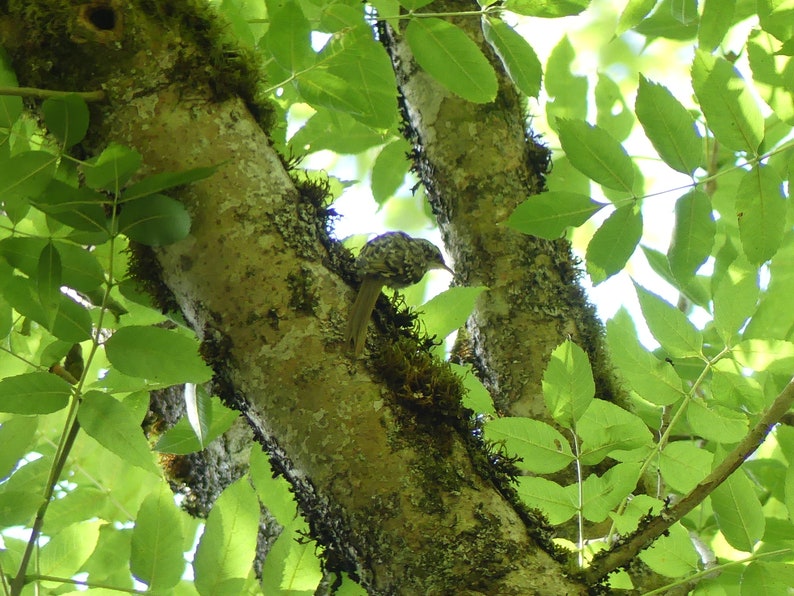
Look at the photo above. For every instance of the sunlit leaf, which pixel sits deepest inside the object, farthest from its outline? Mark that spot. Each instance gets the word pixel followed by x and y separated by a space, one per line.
pixel 730 109
pixel 669 126
pixel 156 555
pixel 693 235
pixel 111 423
pixel 548 9
pixel 226 550
pixel 289 37
pixel 738 512
pixel 761 211
pixel 595 153
pixel 549 214
pixel 677 335
pixel 452 58
pixel 568 386
pixel 614 242
pixel 633 13
pixel 543 449
pixel 516 54
pixel 157 354
pixel 34 393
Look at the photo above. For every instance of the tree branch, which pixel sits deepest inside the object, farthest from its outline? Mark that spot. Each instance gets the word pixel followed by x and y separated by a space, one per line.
pixel 49 93
pixel 613 559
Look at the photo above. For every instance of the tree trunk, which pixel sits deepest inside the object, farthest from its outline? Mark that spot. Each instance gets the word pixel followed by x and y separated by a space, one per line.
pixel 382 459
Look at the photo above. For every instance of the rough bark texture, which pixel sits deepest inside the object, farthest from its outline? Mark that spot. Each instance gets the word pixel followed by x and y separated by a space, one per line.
pixel 383 465
pixel 479 162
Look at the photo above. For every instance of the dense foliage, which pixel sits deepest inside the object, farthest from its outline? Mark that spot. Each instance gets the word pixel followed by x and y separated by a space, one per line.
pixel 82 347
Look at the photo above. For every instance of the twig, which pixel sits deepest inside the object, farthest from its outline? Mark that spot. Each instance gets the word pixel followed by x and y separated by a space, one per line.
pixel 47 93
pixel 623 553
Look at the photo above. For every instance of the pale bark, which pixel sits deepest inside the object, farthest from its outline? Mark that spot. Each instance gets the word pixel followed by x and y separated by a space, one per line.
pixel 389 487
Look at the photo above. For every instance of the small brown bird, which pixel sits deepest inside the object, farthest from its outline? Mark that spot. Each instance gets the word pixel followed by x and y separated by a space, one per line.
pixel 393 259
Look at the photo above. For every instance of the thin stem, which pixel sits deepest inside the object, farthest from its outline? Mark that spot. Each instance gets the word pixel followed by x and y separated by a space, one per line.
pixel 77 582
pixel 580 497
pixel 48 93
pixel 610 560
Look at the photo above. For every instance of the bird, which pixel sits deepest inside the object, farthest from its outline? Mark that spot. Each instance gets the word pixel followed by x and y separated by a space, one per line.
pixel 393 259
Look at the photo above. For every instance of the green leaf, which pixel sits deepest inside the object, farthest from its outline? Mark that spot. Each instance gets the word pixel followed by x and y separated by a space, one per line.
pixel 79 267
pixel 605 429
pixel 695 289
pixel 761 211
pixel 157 183
pixel 716 423
pixel 449 311
pixel 774 317
pixel 730 109
pixel 733 388
pixel 275 491
pixel 389 170
pixel 363 64
pixel 66 117
pixel 25 176
pixel 181 438
pixel 289 38
pixel 669 126
pixel 10 106
pixel 336 132
pixel 568 386
pixel 738 512
pixel 614 242
pixel 80 504
pixel 547 9
pixel 477 397
pixel 763 577
pixel 157 354
pixel 517 56
pixel 596 154
pixel 556 503
pixel 685 11
pixel 612 112
pixel 549 214
pixel 154 220
pixel 323 89
pixel 114 427
pixel 567 92
pixel 156 554
pixel 48 280
pixel 715 22
pixel 72 323
pixel 693 235
pixel 777 18
pixel 17 434
pixel 452 58
pixel 68 550
pixel 80 208
pixel 676 334
pixel 673 554
pixel 735 299
pixel 544 449
pixel 632 14
pixel 774 355
pixel 602 494
pixel 662 23
pixel 34 393
pixel 414 4
pixel 227 548
pixel 112 168
pixel 654 380
pixel 18 507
